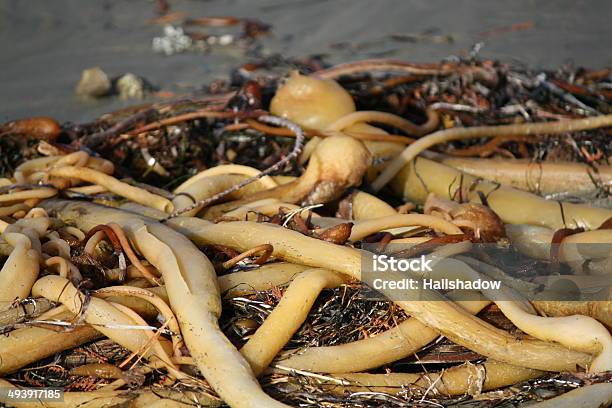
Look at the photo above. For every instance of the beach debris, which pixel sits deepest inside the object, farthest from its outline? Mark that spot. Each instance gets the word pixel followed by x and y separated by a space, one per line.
pixel 284 277
pixel 173 41
pixel 94 83
pixel 220 31
pixel 130 86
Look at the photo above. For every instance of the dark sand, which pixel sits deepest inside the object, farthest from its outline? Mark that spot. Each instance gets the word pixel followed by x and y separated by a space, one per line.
pixel 46 44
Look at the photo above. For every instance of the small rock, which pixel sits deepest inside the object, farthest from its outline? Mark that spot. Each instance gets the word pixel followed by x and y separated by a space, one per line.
pixel 130 86
pixel 94 83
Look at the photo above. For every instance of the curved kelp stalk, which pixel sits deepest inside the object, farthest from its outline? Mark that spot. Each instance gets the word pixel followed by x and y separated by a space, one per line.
pixel 194 296
pixel 422 177
pixel 431 309
pixel 325 179
pixel 19 271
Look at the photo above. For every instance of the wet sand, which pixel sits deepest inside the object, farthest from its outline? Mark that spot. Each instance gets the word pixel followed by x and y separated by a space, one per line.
pixel 46 44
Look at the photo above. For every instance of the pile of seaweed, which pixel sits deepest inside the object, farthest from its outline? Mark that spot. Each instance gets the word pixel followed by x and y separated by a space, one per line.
pixel 339 316
pixel 164 143
pixel 161 144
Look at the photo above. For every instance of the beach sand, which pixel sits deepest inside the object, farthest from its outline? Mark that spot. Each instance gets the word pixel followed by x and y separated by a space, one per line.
pixel 46 44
